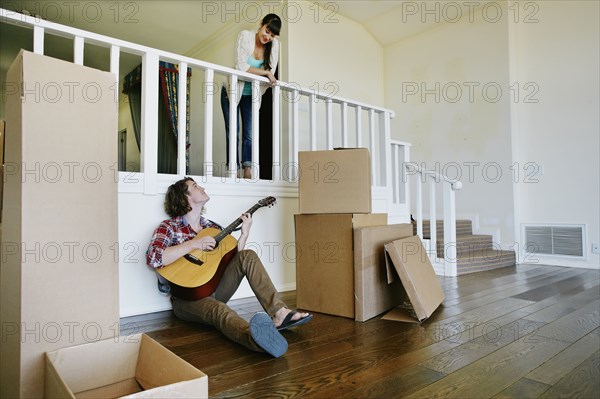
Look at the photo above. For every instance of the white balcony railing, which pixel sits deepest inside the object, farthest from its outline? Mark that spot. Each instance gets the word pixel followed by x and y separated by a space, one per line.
pixel 415 176
pixel 376 139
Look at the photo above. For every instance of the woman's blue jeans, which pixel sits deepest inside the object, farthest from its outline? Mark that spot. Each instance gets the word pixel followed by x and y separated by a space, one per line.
pixel 245 110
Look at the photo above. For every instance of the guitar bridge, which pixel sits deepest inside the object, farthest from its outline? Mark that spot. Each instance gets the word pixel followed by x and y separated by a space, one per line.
pixel 193 259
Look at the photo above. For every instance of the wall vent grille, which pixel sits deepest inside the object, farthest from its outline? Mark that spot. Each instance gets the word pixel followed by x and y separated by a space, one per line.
pixel 555 240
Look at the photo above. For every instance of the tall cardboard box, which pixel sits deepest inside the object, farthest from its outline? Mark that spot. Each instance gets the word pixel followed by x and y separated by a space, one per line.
pixel 335 181
pixel 325 260
pixel 1 168
pixel 372 293
pixel 59 284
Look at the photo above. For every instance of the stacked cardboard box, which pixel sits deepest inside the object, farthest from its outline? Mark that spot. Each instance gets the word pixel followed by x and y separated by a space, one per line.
pixel 334 200
pixel 340 255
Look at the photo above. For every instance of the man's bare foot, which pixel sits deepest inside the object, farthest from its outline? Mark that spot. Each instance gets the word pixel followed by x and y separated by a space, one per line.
pixel 283 312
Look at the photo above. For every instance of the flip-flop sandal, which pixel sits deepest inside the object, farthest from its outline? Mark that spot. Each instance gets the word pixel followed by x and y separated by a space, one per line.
pixel 266 336
pixel 289 323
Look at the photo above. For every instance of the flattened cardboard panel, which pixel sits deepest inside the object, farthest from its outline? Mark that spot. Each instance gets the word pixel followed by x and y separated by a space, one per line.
pixel 335 181
pixel 373 294
pixel 400 314
pixel 416 273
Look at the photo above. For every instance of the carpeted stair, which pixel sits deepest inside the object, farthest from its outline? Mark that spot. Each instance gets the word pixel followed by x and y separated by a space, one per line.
pixel 475 252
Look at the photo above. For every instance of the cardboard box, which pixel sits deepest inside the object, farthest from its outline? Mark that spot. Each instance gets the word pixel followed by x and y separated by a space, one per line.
pixel 335 181
pixel 373 295
pixel 1 165
pixel 59 225
pixel 325 260
pixel 407 259
pixel 135 365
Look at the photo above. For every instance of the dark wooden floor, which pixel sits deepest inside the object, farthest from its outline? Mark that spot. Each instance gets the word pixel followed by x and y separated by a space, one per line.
pixel 525 332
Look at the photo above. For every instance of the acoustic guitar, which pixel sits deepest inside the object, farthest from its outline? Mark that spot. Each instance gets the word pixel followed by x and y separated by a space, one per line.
pixel 197 274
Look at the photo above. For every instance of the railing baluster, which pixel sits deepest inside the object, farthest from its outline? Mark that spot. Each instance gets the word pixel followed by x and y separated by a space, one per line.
pixel 450 261
pixel 276 133
pixel 396 173
pixel 295 129
pixel 384 150
pixel 78 46
pixel 312 105
pixel 233 118
pixel 372 143
pixel 329 122
pixel 344 124
pixel 38 40
pixel 209 93
pixel 182 119
pixel 432 216
pixel 419 207
pixel 115 54
pixel 255 129
pixel 149 128
pixel 358 126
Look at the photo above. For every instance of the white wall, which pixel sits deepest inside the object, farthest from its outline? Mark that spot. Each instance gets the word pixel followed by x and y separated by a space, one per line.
pixel 333 55
pixel 272 234
pixel 336 50
pixel 560 133
pixel 450 88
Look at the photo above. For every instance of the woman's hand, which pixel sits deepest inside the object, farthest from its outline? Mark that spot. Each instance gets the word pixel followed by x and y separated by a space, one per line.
pixel 269 75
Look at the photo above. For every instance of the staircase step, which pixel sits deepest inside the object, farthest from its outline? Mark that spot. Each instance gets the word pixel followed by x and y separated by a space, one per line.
pixel 486 259
pixel 465 243
pixel 463 227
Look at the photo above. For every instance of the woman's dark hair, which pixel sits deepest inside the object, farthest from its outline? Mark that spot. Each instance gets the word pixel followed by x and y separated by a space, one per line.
pixel 176 202
pixel 273 23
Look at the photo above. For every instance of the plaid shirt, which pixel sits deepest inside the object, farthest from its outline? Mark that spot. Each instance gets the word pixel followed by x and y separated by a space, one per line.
pixel 172 232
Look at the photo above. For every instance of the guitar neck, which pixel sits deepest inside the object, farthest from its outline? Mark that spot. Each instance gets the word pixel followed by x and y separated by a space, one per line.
pixel 229 229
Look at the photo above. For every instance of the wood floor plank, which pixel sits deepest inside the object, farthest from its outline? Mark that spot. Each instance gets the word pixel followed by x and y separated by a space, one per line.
pixel 500 284
pixel 564 362
pixel 583 382
pixel 524 388
pixel 471 351
pixel 519 332
pixel 575 325
pixel 495 372
pixel 396 385
pixel 566 306
pixel 507 292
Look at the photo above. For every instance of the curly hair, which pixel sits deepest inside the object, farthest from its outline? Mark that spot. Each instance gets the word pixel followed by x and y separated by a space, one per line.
pixel 176 202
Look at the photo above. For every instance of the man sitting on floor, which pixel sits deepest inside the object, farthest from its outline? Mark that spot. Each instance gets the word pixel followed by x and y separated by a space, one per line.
pixel 172 239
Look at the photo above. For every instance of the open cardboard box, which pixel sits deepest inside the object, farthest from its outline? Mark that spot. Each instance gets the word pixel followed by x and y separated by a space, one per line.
pixel 406 258
pixel 132 366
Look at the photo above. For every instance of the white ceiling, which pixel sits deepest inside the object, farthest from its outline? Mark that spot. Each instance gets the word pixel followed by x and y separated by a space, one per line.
pixel 180 26
pixel 191 22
